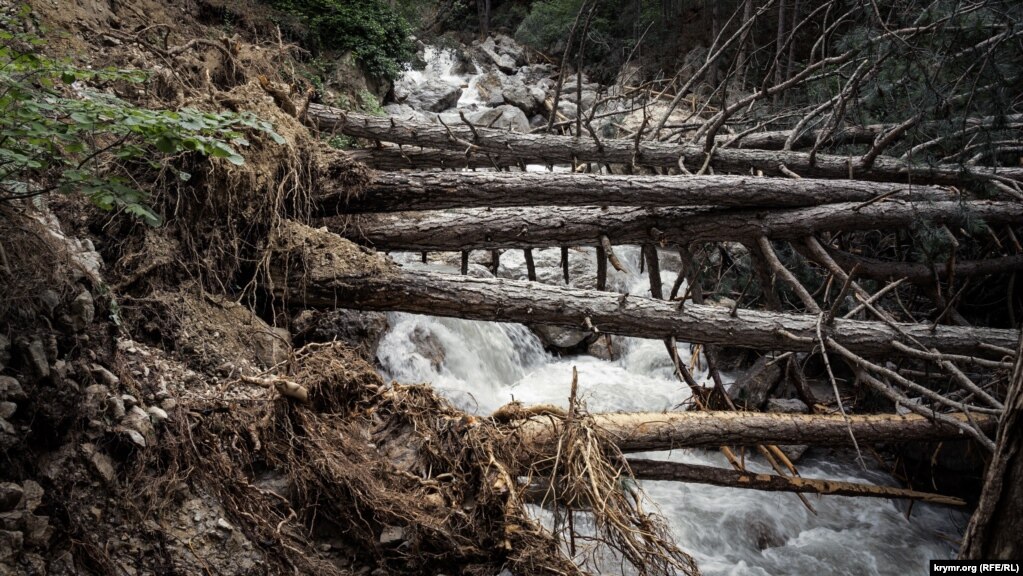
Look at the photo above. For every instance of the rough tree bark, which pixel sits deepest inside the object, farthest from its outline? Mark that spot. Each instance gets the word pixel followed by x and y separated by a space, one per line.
pixel 546 149
pixel 644 432
pixel 326 278
pixel 397 191
pixel 471 229
pixel 996 528
pixel 693 473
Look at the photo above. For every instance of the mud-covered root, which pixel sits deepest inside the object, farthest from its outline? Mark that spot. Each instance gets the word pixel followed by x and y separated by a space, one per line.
pixel 588 474
pixel 406 481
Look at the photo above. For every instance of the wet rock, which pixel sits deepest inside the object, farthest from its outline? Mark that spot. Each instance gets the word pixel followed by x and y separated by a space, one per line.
pixel 794 451
pixel 34 355
pixel 753 388
pixel 224 525
pixel 10 389
pixel 502 51
pixel 405 112
pixel 529 100
pixel 392 535
pixel 83 310
pixel 490 87
pixel 505 117
pixel 428 347
pixel 433 95
pixel 10 496
pixel 362 330
pixel 606 347
pixel 7 409
pixel 786 406
pixel 11 543
pixel 563 340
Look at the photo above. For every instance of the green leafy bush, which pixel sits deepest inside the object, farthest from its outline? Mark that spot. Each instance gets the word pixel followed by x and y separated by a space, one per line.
pixel 377 35
pixel 58 135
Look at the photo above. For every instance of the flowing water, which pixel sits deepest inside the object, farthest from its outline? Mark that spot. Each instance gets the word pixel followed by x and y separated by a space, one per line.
pixel 481 366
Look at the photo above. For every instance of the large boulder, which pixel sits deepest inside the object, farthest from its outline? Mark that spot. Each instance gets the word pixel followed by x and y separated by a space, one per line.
pixel 505 117
pixel 432 95
pixel 490 87
pixel 525 98
pixel 500 55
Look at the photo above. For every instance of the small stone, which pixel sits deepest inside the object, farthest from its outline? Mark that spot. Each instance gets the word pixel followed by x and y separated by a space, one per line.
pixel 169 404
pixel 10 495
pixel 10 389
pixel 32 496
pixel 136 438
pixel 83 310
pixel 392 535
pixel 7 428
pixel 35 357
pixel 156 415
pixel 224 525
pixel 7 409
pixel 50 300
pixel 786 406
pixel 5 351
pixel 105 376
pixel 324 548
pixel 38 530
pixel 102 463
pixel 129 401
pixel 115 405
pixel 11 543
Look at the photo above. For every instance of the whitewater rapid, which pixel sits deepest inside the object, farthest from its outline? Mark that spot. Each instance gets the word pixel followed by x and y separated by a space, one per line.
pixel 481 366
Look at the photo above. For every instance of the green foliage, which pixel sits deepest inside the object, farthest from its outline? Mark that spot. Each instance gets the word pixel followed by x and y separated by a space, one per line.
pixel 376 34
pixel 614 28
pixel 56 134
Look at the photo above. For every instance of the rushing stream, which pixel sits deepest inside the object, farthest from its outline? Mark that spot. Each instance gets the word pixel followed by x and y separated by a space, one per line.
pixel 481 366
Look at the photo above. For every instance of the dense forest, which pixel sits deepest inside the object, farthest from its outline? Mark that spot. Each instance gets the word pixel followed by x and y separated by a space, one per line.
pixel 510 286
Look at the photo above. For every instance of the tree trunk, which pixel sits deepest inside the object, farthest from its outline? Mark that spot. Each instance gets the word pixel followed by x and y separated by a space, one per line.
pixel 694 473
pixel 397 191
pixel 546 149
pixel 995 531
pixel 649 431
pixel 919 272
pixel 471 229
pixel 314 268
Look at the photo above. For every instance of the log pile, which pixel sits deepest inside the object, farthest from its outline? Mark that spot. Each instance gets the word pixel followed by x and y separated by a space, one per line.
pixel 928 361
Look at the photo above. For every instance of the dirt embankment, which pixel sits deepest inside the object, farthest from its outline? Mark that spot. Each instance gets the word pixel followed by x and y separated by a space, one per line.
pixel 162 413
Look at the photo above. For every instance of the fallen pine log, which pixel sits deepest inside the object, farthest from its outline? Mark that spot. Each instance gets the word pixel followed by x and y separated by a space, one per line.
pixel 873 268
pixel 547 149
pixel 390 157
pixel 400 191
pixel 643 469
pixel 645 432
pixel 477 228
pixel 316 268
